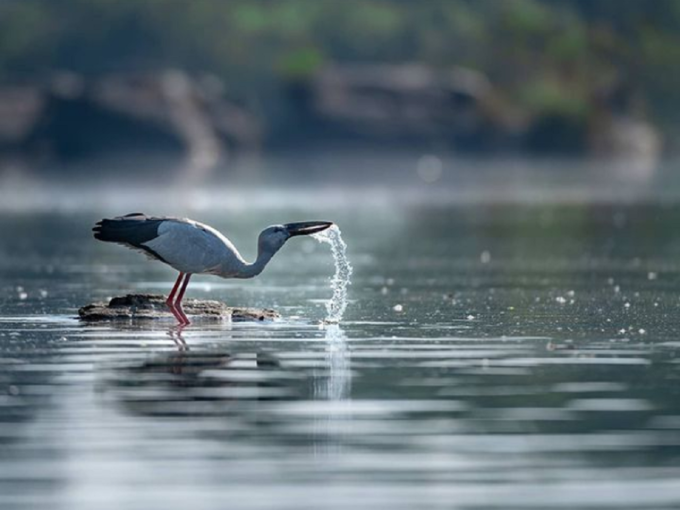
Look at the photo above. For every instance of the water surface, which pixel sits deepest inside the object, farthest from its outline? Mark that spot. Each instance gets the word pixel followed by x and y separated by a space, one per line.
pixel 491 356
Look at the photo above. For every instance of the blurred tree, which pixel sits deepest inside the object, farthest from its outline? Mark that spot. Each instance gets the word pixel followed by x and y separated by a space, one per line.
pixel 541 54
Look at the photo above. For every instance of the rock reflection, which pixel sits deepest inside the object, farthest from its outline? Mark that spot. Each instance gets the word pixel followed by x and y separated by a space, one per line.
pixel 201 383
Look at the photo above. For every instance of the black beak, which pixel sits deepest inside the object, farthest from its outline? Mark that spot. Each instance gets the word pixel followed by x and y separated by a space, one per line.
pixel 306 227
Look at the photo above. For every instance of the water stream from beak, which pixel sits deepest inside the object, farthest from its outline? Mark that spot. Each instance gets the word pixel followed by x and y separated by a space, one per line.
pixel 336 386
pixel 335 307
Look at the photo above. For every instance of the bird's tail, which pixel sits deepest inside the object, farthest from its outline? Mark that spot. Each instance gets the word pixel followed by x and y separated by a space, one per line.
pixel 133 229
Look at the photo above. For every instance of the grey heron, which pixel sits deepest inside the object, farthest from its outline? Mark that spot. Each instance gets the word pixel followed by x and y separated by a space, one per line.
pixel 192 248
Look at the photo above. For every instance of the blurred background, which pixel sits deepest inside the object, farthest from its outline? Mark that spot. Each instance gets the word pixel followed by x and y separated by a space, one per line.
pixel 390 93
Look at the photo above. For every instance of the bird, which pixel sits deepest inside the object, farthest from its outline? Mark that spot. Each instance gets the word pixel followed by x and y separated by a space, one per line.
pixel 192 248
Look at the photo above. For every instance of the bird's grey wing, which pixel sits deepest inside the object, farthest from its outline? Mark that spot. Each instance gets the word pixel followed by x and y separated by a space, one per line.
pixel 188 246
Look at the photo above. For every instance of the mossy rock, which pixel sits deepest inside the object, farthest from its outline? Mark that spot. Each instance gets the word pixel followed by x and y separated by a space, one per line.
pixel 153 307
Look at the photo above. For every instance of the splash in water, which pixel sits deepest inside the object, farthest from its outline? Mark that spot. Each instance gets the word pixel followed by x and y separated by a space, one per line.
pixel 335 307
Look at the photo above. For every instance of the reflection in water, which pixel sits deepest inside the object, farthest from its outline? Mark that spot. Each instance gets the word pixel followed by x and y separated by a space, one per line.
pixel 185 368
pixel 200 382
pixel 332 406
pixel 337 385
pixel 175 334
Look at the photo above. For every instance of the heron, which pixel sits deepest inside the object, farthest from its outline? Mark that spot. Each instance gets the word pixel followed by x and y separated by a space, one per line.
pixel 192 248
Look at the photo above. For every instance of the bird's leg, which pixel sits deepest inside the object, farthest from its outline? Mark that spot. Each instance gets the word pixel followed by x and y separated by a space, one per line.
pixel 171 299
pixel 171 296
pixel 180 296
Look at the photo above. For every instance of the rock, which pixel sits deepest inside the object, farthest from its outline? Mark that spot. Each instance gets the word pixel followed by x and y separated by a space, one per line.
pixel 153 307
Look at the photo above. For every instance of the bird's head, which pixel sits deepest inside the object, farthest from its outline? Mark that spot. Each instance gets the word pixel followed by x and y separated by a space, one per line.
pixel 273 238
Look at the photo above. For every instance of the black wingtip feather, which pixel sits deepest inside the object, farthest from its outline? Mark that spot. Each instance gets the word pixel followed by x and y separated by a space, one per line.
pixel 133 229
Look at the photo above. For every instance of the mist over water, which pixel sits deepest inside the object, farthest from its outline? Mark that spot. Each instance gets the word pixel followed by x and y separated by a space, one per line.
pixel 328 181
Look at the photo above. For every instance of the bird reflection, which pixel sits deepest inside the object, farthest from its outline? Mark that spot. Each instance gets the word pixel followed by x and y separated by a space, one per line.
pixel 201 382
pixel 175 334
pixel 186 368
pixel 248 384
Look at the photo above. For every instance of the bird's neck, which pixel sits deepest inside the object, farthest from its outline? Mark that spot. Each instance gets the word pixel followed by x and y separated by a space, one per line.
pixel 263 258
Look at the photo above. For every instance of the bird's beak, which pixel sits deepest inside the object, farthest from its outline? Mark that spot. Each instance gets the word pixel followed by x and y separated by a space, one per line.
pixel 306 227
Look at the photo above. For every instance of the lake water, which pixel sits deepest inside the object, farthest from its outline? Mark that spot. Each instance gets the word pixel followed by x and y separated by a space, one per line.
pixel 510 356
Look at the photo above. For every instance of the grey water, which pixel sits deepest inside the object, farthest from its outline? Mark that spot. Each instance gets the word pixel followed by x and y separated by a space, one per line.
pixel 492 355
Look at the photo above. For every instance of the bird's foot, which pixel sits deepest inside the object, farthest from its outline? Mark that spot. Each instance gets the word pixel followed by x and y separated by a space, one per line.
pixel 185 320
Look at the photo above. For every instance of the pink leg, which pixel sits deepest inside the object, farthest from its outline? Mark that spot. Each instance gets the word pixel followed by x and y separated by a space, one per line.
pixel 180 296
pixel 171 299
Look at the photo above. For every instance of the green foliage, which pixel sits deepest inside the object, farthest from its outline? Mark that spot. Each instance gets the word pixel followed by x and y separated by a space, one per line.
pixel 300 63
pixel 549 96
pixel 527 17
